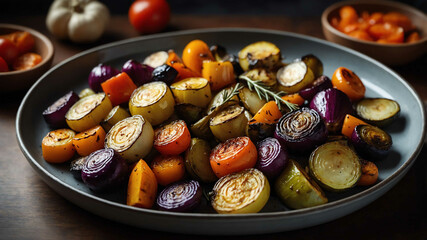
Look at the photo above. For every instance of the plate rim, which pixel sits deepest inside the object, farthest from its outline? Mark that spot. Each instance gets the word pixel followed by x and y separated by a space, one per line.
pixel 400 172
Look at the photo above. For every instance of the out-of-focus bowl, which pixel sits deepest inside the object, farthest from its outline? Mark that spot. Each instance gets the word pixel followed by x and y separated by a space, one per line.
pixel 389 54
pixel 18 80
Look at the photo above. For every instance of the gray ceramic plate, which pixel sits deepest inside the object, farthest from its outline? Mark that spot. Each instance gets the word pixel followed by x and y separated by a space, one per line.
pixel 407 132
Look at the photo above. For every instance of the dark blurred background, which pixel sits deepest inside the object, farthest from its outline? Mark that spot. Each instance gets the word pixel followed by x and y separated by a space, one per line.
pixel 226 7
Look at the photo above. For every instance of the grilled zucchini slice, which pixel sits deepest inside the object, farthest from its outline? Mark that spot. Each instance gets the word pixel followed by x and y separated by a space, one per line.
pixel 194 91
pixel 229 123
pixel 378 111
pixel 294 77
pixel 259 55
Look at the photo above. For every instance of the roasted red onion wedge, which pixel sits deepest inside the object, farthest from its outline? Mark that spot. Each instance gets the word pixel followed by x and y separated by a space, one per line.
pixel 54 115
pixel 139 73
pixel 180 197
pixel 332 105
pixel 104 169
pixel 272 157
pixel 301 130
pixel 100 74
pixel 371 142
pixel 320 84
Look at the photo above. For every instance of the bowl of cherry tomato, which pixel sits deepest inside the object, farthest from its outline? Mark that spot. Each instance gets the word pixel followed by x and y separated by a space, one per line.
pixel 25 54
pixel 391 32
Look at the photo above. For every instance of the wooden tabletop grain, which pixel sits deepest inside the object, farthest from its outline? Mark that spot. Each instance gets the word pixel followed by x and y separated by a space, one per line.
pixel 29 209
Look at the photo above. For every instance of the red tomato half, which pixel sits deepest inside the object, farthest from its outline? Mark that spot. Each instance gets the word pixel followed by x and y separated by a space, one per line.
pixel 149 16
pixel 8 51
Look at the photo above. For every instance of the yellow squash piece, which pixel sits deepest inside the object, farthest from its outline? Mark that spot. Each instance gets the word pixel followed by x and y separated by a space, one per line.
pixel 259 55
pixel 194 91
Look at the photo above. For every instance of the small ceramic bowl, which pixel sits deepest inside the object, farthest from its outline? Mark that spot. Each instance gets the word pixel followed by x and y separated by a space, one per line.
pixel 389 54
pixel 19 80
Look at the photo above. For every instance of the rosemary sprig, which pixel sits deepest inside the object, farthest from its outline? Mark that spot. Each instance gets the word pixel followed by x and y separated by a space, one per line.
pixel 228 95
pixel 264 92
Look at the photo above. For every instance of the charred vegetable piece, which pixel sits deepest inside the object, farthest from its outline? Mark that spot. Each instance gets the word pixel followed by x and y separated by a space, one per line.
pixel 301 130
pixel 194 91
pixel 89 141
pixel 180 197
pixel 201 128
pixel 172 139
pixel 314 64
pixel 251 100
pixel 188 112
pixel 142 186
pixel 154 101
pixel 294 77
pixel 320 84
pixel 57 146
pixel 217 103
pixel 114 116
pixel 268 78
pixel 350 122
pixel 335 166
pixel 235 62
pixel 369 173
pixel 76 167
pixel 104 169
pixel 272 157
pixel 156 59
pixel 195 53
pixel 234 155
pixel 348 82
pixel 219 74
pixel 332 105
pixel 197 161
pixel 139 73
pixel 243 192
pixel 86 92
pixel 371 142
pixel 229 123
pixel 132 138
pixel 378 111
pixel 88 112
pixel 218 52
pixel 259 55
pixel 100 74
pixel 168 169
pixel 54 115
pixel 119 88
pixel 296 189
pixel 263 124
pixel 164 73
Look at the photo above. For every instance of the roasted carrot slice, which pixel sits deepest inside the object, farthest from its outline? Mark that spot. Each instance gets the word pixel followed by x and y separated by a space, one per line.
pixel 360 34
pixel 119 88
pixel 234 155
pixel 89 141
pixel 348 82
pixel 413 37
pixel 269 113
pixel 350 122
pixel 168 169
pixel 294 98
pixel 369 173
pixel 57 146
pixel 27 61
pixel 173 138
pixel 400 20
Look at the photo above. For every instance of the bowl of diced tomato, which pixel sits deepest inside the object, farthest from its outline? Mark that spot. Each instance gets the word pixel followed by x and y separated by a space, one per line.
pixel 391 32
pixel 25 54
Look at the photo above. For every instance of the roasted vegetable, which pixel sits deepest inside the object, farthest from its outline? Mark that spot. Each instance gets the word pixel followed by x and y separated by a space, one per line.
pixel 378 111
pixel 314 64
pixel 197 161
pixel 218 52
pixel 88 112
pixel 294 98
pixel 76 167
pixel 301 130
pixel 139 73
pixel 272 157
pixel 267 77
pixel 219 74
pixel 335 166
pixel 263 124
pixel 183 71
pixel 347 81
pixel 321 83
pixel 296 189
pixel 189 113
pixel 132 138
pixel 371 142
pixel 57 146
pixel 332 105
pixel 259 55
pixel 218 101
pixel 229 123
pixel 369 173
pixel 350 122
pixel 54 115
pixel 114 116
pixel 142 186
pixel 100 74
pixel 164 73
pixel 168 169
pixel 156 59
pixel 194 53
pixel 86 92
pixel 194 91
pixel 251 100
pixel 201 128
pixel 172 139
pixel 89 141
pixel 154 101
pixel 243 192
pixel 294 77
pixel 119 88
pixel 180 197
pixel 104 169
pixel 234 155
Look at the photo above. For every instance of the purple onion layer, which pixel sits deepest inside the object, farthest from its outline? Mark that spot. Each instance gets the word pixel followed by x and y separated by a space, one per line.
pixel 272 157
pixel 320 84
pixel 180 197
pixel 54 115
pixel 100 74
pixel 138 72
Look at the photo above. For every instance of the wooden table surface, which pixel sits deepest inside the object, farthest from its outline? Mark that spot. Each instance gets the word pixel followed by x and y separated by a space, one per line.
pixel 29 209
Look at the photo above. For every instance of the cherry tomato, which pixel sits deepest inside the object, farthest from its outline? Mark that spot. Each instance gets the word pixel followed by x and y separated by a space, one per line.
pixel 149 16
pixel 3 65
pixel 8 51
pixel 27 61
